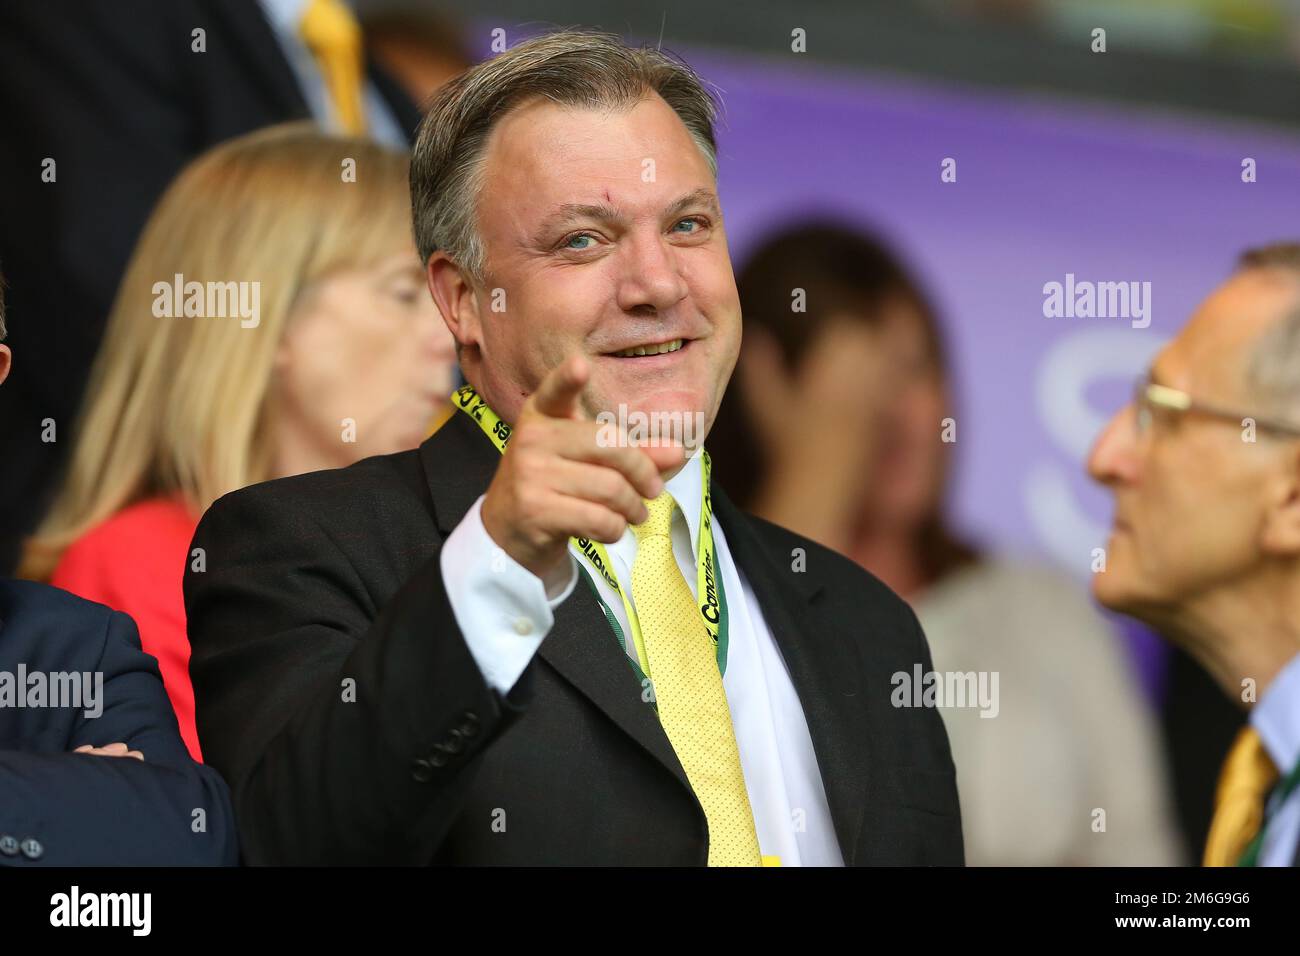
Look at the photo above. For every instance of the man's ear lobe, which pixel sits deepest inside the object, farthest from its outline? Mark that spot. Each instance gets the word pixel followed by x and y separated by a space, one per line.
pixel 1282 523
pixel 455 297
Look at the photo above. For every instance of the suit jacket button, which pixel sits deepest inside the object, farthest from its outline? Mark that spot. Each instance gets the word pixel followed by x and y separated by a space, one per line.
pixel 32 848
pixel 469 724
pixel 437 758
pixel 421 771
pixel 454 743
pixel 8 845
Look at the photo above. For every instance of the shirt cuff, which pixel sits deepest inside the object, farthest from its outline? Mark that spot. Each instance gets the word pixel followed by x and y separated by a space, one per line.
pixel 502 608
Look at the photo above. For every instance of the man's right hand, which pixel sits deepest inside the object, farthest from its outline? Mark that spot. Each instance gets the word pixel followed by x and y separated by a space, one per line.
pixel 556 481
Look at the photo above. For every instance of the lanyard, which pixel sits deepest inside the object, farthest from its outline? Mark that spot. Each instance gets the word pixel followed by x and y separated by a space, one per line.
pixel 713 609
pixel 1251 856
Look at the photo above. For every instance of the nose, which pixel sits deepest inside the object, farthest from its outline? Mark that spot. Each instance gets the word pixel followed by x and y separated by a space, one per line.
pixel 442 344
pixel 433 357
pixel 652 276
pixel 1114 458
pixel 434 337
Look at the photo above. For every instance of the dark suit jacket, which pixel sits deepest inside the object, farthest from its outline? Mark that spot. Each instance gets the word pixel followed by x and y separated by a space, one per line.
pixel 338 697
pixel 114 94
pixel 59 808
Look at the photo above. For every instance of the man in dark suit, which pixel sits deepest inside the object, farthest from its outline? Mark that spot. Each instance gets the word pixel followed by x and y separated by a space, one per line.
pixel 395 662
pixel 102 104
pixel 93 771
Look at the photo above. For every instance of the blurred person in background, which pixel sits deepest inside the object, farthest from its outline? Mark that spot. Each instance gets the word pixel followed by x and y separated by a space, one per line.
pixel 858 383
pixel 1204 465
pixel 418 45
pixel 103 103
pixel 92 768
pixel 347 358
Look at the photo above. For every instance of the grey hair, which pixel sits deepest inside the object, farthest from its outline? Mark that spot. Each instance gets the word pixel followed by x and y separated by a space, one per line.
pixel 581 68
pixel 1273 366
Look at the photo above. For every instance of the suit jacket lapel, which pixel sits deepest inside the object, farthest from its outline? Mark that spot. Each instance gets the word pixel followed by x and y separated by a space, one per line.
pixel 825 668
pixel 459 462
pixel 586 653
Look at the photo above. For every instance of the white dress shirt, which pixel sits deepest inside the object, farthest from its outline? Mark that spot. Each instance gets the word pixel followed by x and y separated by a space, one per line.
pixel 1276 717
pixel 504 612
pixel 284 17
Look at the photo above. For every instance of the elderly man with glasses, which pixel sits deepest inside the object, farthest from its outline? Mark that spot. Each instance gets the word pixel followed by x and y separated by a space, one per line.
pixel 1205 468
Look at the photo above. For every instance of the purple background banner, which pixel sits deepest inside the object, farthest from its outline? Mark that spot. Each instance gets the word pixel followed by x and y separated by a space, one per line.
pixel 1044 188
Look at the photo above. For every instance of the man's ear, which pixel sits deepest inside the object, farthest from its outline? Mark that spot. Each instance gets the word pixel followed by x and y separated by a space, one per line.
pixel 1281 532
pixel 6 359
pixel 456 299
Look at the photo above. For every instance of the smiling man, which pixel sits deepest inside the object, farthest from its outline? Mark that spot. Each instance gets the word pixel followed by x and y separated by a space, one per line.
pixel 524 643
pixel 1204 465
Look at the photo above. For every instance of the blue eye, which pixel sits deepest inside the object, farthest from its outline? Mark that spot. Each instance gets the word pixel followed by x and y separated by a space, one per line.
pixel 692 222
pixel 571 239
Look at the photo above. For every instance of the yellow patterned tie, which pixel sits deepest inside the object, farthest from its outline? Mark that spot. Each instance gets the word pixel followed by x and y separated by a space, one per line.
pixel 333 35
pixel 1247 776
pixel 688 690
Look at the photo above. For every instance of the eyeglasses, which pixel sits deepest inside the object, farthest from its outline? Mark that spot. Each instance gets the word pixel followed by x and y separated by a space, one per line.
pixel 1148 397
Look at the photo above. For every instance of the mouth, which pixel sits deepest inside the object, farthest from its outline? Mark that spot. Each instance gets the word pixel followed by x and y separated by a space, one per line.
pixel 650 349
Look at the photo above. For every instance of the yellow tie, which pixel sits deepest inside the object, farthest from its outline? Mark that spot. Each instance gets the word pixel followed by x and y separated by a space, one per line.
pixel 688 690
pixel 333 35
pixel 1247 776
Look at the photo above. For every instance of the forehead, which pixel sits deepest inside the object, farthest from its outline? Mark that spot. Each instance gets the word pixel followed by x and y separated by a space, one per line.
pixel 1211 353
pixel 542 155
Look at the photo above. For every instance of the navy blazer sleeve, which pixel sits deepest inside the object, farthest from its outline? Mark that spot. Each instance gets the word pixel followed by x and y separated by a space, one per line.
pixel 88 810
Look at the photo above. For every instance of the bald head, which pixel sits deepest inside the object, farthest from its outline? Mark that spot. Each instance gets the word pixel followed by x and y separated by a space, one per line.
pixel 1272 363
pixel 1239 348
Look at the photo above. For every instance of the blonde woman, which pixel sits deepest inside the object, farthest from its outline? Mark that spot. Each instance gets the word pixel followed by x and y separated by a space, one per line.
pixel 273 320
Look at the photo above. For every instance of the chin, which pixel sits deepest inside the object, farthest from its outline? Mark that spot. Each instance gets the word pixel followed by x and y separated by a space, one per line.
pixel 1107 592
pixel 1117 592
pixel 672 401
pixel 658 421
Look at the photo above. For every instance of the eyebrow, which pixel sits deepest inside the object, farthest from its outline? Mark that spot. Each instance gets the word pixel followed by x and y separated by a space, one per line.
pixel 402 269
pixel 572 212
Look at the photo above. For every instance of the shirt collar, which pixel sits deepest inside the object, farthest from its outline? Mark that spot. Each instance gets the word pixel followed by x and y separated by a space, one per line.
pixel 284 15
pixel 1276 716
pixel 687 489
